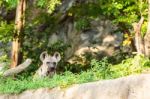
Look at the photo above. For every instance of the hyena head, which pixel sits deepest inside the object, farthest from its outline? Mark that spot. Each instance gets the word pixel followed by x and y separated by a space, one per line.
pixel 49 64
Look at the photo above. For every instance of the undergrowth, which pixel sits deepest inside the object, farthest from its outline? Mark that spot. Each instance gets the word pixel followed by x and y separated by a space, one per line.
pixel 99 70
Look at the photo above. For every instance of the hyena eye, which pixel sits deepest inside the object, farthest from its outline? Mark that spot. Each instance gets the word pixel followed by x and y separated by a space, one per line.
pixel 54 63
pixel 47 62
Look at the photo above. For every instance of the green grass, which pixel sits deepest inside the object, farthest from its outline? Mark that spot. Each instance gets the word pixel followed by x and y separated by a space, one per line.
pixel 99 70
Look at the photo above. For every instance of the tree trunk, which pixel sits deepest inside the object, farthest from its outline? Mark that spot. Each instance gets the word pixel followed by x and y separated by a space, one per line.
pixel 18 33
pixel 147 36
pixel 139 43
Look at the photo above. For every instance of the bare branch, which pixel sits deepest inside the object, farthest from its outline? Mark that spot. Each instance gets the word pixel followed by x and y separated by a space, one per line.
pixel 17 69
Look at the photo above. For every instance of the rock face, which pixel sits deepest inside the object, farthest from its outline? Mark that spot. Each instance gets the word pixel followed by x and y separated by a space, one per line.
pixel 132 87
pixel 98 40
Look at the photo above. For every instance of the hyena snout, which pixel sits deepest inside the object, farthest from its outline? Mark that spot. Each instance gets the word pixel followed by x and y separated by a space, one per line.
pixel 51 66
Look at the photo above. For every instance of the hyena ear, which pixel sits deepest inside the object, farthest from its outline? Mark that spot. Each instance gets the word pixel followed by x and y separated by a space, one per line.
pixel 57 56
pixel 43 55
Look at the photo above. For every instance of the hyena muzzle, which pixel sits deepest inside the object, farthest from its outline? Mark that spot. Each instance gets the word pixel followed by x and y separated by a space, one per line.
pixel 49 64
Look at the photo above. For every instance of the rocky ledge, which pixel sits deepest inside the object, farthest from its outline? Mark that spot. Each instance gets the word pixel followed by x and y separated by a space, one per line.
pixel 131 87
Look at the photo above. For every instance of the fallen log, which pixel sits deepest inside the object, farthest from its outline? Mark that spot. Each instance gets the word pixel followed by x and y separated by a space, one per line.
pixel 18 68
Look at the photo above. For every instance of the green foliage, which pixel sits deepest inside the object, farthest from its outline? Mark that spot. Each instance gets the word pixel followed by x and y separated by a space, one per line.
pixel 3 58
pixel 83 14
pixel 41 3
pixel 82 24
pixel 130 66
pixel 9 3
pixel 99 70
pixel 88 10
pixel 6 31
pixel 48 4
pixel 52 4
pixel 122 12
pixel 144 28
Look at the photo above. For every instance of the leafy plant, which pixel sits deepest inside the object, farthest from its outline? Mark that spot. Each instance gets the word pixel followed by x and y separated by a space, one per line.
pixel 82 24
pixel 9 3
pixel 48 4
pixel 134 65
pixel 102 68
pixel 6 31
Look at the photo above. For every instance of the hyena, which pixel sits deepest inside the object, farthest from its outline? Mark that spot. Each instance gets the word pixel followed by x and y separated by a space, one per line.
pixel 49 64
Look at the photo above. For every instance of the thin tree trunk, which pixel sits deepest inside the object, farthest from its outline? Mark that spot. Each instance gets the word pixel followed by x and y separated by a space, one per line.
pixel 147 36
pixel 138 37
pixel 18 33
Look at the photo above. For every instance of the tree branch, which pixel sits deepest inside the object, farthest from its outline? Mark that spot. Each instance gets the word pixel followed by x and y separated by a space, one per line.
pixel 17 69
